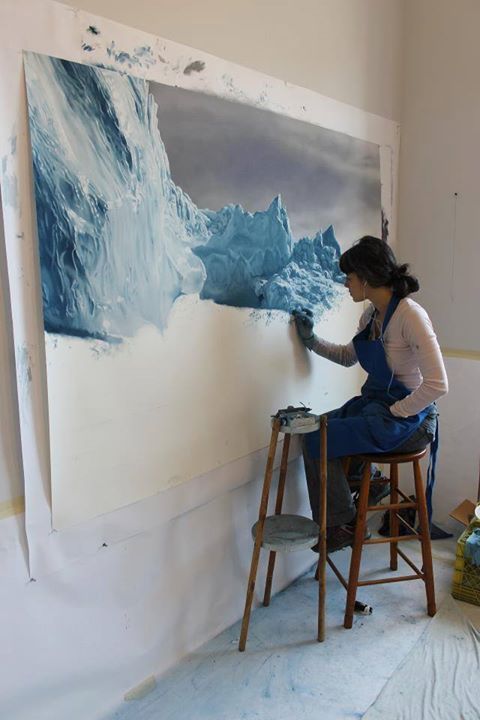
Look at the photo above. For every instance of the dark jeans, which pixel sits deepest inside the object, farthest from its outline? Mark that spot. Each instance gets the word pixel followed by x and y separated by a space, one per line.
pixel 340 507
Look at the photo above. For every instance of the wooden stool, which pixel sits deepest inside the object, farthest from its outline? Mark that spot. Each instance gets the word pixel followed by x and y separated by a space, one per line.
pixel 280 533
pixel 420 505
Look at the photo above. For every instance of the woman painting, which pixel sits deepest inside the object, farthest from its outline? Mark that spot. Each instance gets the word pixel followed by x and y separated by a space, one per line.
pixel 397 346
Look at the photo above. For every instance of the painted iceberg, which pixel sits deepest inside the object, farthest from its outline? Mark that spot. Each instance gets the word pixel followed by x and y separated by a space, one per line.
pixel 119 241
pixel 252 261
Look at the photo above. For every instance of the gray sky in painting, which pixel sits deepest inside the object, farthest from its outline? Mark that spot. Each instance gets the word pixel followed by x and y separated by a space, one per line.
pixel 223 152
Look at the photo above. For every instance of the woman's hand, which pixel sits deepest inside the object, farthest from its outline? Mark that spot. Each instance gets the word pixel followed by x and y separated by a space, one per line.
pixel 304 324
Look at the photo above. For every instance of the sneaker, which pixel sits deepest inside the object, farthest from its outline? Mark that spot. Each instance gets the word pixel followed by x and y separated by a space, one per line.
pixel 342 536
pixel 378 491
pixel 366 535
pixel 339 537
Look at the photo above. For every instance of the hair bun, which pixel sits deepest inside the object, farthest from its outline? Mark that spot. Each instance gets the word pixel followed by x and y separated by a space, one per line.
pixel 399 271
pixel 402 282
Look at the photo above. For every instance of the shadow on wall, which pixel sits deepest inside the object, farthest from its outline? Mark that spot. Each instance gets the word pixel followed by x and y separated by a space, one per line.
pixel 11 472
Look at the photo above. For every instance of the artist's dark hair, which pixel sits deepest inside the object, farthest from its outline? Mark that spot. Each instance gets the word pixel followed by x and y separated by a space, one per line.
pixel 373 260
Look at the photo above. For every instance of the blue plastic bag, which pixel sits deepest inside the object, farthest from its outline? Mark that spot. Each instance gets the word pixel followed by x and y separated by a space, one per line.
pixel 472 547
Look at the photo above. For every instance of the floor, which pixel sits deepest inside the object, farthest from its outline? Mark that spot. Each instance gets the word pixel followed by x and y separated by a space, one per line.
pixel 284 674
pixel 440 678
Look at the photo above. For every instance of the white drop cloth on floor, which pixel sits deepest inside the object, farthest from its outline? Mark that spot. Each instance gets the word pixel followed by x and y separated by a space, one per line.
pixel 440 678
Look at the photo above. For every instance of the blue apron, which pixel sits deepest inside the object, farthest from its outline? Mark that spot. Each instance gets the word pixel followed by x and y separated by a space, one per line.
pixel 365 424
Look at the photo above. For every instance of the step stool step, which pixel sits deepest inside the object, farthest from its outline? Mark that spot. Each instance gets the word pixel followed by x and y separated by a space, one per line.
pixel 287 533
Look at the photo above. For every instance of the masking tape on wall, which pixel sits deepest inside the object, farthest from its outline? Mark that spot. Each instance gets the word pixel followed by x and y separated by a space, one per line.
pixel 15 506
pixel 458 353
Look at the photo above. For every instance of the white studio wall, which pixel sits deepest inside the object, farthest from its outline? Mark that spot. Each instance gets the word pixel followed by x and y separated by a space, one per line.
pixel 439 217
pixel 439 209
pixel 349 50
pixel 108 596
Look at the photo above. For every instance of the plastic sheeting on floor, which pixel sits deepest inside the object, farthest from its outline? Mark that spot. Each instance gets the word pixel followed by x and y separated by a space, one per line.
pixel 440 678
pixel 285 674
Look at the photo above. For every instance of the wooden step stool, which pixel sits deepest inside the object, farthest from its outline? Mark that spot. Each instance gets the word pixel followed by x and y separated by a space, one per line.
pixel 285 533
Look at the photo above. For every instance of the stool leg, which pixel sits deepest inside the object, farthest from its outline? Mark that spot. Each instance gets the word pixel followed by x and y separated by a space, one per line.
pixel 426 542
pixel 394 524
pixel 357 546
pixel 278 511
pixel 259 535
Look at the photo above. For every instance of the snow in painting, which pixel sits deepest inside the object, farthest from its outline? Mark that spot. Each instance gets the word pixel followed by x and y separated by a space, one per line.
pixel 146 192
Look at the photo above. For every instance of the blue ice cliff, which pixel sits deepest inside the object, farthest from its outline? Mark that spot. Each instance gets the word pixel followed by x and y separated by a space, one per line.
pixel 119 242
pixel 252 261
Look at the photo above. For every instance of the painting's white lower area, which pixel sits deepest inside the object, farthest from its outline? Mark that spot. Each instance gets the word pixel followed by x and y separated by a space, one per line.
pixel 130 420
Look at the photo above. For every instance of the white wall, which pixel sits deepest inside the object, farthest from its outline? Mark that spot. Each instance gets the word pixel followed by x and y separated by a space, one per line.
pixel 86 634
pixel 349 50
pixel 440 150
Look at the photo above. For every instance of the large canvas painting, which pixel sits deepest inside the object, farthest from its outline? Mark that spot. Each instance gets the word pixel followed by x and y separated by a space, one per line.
pixel 177 231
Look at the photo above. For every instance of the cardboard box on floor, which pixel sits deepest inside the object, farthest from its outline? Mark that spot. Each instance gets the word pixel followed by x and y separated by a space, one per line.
pixel 464 512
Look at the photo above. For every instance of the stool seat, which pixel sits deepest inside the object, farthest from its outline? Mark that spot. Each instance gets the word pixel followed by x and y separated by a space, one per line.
pixel 397 458
pixel 287 533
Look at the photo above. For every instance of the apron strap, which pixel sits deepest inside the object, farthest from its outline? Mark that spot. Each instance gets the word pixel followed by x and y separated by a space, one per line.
pixel 392 306
pixel 431 472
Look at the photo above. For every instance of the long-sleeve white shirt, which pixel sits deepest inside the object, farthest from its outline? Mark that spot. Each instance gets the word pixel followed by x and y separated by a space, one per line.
pixel 412 352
